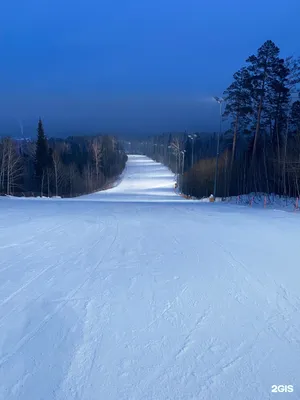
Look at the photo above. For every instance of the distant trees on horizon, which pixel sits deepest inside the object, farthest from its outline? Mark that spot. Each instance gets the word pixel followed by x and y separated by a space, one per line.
pixel 59 167
pixel 260 152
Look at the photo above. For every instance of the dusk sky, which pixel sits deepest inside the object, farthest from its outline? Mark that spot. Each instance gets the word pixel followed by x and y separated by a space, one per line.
pixel 129 66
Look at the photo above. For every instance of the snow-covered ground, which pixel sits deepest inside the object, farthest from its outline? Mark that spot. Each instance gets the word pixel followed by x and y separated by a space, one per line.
pixel 263 200
pixel 137 293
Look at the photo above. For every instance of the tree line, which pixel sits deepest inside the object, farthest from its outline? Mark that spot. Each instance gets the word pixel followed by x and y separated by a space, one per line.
pixel 59 167
pixel 260 152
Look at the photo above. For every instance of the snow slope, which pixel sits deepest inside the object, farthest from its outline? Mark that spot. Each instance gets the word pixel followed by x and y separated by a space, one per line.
pixel 136 293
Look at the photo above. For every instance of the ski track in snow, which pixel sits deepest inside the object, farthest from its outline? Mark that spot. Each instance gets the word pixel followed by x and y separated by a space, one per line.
pixel 136 293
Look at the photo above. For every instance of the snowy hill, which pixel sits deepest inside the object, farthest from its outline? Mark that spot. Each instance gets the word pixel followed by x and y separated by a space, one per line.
pixel 136 293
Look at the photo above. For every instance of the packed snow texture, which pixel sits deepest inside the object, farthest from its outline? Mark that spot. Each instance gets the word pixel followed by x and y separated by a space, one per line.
pixel 136 293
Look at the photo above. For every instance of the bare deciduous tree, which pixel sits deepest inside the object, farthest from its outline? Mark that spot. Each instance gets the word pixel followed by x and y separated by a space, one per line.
pixel 11 168
pixel 97 152
pixel 58 171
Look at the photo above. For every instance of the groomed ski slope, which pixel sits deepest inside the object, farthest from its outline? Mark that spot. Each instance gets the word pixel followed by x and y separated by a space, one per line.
pixel 135 293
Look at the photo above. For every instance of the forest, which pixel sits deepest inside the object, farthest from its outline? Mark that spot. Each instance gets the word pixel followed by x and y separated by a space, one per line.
pixel 59 167
pixel 259 151
pixel 257 148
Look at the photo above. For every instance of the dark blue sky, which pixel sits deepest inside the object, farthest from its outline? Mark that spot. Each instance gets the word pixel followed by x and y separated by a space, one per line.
pixel 123 66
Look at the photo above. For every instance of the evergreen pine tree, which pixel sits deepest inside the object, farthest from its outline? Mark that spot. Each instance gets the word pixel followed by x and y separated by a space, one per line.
pixel 262 68
pixel 238 104
pixel 41 156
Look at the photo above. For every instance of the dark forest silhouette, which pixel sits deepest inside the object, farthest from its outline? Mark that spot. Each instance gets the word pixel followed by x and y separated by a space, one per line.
pixel 59 167
pixel 261 150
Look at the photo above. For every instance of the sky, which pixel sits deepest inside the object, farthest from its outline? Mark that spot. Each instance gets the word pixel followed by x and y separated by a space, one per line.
pixel 129 66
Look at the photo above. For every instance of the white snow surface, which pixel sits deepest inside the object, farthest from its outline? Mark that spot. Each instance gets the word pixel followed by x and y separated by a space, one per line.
pixel 136 293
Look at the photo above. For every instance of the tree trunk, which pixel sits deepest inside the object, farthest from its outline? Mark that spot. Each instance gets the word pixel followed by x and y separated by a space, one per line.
pixel 42 183
pixel 8 179
pixel 278 155
pixel 265 166
pixel 233 150
pixel 48 183
pixel 284 156
pixel 234 140
pixel 257 129
pixel 56 179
